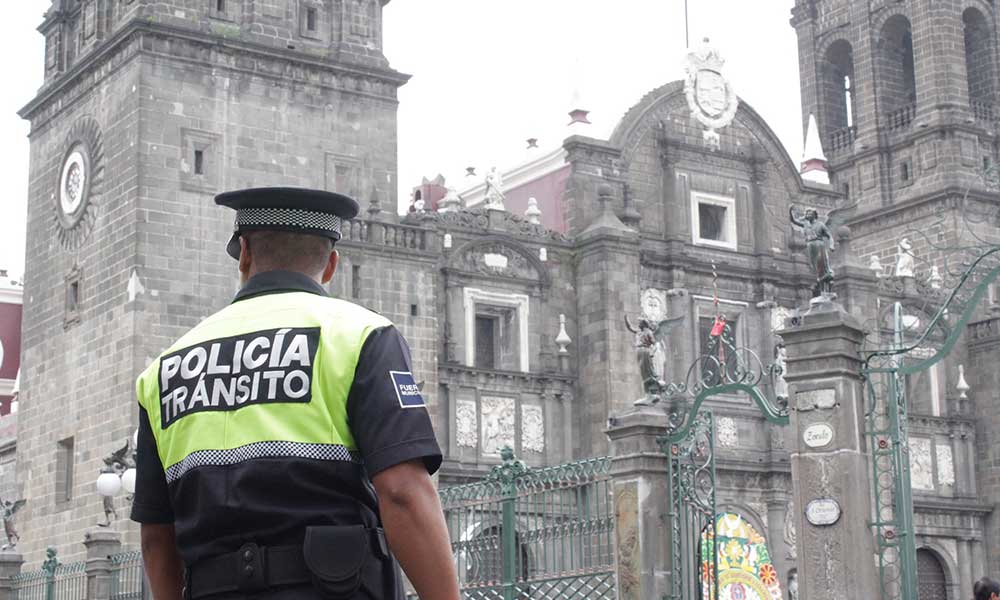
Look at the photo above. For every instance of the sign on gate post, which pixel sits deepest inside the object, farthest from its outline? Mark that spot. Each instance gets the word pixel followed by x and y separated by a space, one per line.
pixel 830 469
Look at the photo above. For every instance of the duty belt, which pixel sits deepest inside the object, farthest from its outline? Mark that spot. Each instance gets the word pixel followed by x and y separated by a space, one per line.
pixel 250 569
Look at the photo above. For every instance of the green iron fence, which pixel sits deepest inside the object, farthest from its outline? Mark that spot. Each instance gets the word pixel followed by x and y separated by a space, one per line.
pixel 534 533
pixel 65 582
pixel 128 581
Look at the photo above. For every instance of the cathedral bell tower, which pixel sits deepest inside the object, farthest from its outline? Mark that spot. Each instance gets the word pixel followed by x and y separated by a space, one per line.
pixel 903 92
pixel 148 109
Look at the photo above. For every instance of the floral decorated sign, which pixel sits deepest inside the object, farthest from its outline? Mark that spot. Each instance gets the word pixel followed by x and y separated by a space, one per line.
pixel 744 562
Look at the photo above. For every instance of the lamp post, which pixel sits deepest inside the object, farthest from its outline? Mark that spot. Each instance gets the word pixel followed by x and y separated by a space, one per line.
pixel 118 472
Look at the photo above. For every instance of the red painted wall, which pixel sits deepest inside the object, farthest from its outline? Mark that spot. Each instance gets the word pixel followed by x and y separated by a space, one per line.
pixel 10 336
pixel 548 190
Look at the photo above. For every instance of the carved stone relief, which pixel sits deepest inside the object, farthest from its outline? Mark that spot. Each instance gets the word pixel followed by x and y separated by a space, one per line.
pixel 498 259
pixel 497 424
pixel 945 464
pixel 727 433
pixel 921 468
pixel 654 304
pixel 532 429
pixel 465 424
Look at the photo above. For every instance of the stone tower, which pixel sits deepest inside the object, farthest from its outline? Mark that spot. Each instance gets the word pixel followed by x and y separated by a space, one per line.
pixel 904 93
pixel 147 110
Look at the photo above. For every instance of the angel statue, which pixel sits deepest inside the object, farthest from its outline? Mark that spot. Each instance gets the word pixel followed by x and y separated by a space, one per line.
pixel 9 510
pixel 819 244
pixel 117 462
pixel 647 342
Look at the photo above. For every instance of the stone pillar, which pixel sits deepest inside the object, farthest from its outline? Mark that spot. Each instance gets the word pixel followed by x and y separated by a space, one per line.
pixel 10 565
pixel 777 503
pixel 100 544
pixel 965 574
pixel 642 503
pixel 835 545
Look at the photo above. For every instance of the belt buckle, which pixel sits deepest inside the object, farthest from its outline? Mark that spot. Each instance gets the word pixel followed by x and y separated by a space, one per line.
pixel 250 576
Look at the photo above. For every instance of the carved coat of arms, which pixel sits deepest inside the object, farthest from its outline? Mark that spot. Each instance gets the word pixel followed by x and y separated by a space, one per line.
pixel 710 96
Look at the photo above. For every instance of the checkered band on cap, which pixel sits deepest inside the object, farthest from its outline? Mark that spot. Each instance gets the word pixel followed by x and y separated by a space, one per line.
pixel 288 217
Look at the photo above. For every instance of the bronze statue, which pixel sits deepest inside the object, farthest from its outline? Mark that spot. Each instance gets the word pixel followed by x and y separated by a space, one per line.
pixel 9 510
pixel 647 341
pixel 819 245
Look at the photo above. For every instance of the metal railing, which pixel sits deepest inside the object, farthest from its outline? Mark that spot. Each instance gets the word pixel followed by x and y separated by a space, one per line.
pixel 67 582
pixel 128 580
pixel 534 533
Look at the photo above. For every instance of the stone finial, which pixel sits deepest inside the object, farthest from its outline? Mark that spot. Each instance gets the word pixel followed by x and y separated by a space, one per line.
pixel 543 254
pixel 533 213
pixel 135 287
pixel 532 143
pixel 374 203
pixel 813 166
pixel 451 201
pixel 962 386
pixel 563 340
pixel 904 259
pixel 470 171
pixel 447 241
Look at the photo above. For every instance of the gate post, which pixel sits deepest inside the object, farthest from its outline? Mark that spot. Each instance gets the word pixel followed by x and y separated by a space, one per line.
pixel 100 544
pixel 10 565
pixel 641 503
pixel 830 462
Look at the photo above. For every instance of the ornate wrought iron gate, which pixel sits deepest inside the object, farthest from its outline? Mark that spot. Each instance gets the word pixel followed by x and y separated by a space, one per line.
pixel 534 533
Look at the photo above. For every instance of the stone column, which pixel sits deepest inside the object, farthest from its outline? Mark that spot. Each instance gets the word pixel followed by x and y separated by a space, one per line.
pixel 10 565
pixel 100 544
pixel 965 573
pixel 830 467
pixel 777 502
pixel 642 503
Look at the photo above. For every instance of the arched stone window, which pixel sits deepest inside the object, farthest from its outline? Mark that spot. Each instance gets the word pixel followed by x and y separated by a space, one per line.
pixel 897 74
pixel 978 61
pixel 838 85
pixel 931 581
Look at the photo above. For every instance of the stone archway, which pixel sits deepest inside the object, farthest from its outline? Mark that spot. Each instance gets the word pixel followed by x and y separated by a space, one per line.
pixel 932 583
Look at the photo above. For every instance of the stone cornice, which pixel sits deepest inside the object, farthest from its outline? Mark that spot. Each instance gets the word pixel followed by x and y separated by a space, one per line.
pixel 56 89
pixel 922 205
pixel 544 383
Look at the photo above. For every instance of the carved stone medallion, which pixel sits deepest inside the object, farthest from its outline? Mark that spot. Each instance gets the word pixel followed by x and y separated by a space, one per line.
pixel 727 433
pixel 654 305
pixel 79 183
pixel 710 97
pixel 921 468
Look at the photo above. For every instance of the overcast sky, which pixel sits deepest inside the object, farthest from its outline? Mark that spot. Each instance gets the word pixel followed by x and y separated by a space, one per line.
pixel 488 74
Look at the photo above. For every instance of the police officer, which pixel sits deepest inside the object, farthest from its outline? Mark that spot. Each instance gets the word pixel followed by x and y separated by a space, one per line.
pixel 284 447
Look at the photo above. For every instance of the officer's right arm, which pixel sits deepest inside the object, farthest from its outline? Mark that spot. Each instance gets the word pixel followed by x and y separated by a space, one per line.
pixel 151 508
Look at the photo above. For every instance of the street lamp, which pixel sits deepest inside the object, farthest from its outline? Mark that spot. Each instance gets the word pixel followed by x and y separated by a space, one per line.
pixel 118 472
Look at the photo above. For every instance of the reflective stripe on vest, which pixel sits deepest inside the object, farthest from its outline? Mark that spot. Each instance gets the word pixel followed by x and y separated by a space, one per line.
pixel 267 376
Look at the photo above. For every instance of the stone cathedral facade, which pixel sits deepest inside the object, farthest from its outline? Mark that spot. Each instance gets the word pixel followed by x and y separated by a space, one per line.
pixel 515 319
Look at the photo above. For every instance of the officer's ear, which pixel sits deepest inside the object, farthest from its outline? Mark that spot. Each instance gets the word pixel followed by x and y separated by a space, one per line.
pixel 244 256
pixel 331 266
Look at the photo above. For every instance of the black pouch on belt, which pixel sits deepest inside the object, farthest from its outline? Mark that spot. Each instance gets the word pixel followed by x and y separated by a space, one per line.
pixel 338 558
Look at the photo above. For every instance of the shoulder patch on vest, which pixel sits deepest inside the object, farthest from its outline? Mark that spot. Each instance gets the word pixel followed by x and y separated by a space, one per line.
pixel 407 390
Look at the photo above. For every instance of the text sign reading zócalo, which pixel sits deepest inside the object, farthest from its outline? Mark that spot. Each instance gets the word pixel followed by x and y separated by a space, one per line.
pixel 817 435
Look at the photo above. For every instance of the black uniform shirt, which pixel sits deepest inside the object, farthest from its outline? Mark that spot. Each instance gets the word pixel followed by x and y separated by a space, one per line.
pixel 215 509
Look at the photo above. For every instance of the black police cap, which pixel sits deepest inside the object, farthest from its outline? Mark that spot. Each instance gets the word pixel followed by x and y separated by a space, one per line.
pixel 299 210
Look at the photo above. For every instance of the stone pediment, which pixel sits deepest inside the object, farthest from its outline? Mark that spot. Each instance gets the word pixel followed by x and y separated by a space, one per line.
pixel 497 257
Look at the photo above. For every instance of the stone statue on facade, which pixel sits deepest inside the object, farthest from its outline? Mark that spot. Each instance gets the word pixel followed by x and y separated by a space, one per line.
pixel 9 529
pixel 819 244
pixel 790 536
pixel 904 259
pixel 494 190
pixel 793 586
pixel 648 340
pixel 780 368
